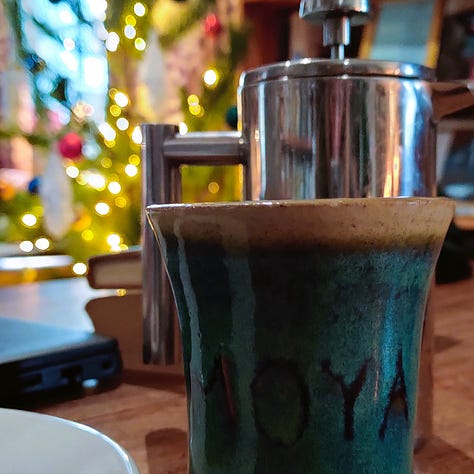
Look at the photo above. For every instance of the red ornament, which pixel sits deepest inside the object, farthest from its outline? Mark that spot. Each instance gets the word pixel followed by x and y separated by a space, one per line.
pixel 70 146
pixel 212 25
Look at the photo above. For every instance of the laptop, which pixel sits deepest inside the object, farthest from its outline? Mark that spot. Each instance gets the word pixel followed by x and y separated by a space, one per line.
pixel 38 359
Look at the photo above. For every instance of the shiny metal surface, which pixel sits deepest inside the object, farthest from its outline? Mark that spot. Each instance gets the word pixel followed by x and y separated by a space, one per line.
pixel 317 68
pixel 336 17
pixel 158 335
pixel 163 152
pixel 340 136
pixel 318 10
pixel 337 35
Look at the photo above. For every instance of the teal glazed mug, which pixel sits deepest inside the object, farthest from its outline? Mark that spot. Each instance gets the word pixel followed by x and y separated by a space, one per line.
pixel 301 325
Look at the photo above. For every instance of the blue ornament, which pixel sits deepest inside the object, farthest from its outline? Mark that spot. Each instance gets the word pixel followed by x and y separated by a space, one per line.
pixel 34 184
pixel 231 117
pixel 34 63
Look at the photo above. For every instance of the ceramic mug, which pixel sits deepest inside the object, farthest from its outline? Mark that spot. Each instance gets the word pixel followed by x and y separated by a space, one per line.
pixel 301 325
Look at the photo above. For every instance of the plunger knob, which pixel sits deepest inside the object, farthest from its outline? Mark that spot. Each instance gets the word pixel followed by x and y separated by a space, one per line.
pixel 336 16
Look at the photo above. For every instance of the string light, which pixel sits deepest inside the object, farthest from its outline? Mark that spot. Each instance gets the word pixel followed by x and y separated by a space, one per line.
pixel 121 202
pixel 195 110
pixel 131 170
pixel 29 220
pixel 72 171
pixel 122 123
pixel 129 31
pixel 213 187
pixel 96 180
pixel 130 20
pixel 193 99
pixel 114 187
pixel 106 162
pixel 134 159
pixel 140 44
pixel 121 99
pixel 137 135
pixel 81 179
pixel 102 208
pixel 79 268
pixel 114 240
pixel 210 78
pixel 26 246
pixel 194 106
pixel 139 9
pixel 42 243
pixel 112 41
pixel 115 110
pixel 183 128
pixel 87 235
pixel 107 131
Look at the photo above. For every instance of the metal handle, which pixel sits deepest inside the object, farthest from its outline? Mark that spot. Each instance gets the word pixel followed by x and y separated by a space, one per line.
pixel 451 97
pixel 163 152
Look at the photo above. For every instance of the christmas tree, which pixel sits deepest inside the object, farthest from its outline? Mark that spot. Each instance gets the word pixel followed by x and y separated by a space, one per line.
pixel 115 67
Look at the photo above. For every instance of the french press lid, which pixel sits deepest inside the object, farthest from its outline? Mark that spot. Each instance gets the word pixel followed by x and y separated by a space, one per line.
pixel 304 68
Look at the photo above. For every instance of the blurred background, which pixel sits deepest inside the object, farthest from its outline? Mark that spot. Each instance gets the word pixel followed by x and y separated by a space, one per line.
pixel 78 77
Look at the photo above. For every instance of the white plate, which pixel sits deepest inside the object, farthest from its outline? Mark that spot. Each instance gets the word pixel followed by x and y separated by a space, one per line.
pixel 31 443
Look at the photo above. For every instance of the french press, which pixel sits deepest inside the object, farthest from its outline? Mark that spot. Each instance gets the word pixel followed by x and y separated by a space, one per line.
pixel 311 128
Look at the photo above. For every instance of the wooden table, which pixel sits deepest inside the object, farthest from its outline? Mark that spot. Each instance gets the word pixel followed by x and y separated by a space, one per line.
pixel 146 413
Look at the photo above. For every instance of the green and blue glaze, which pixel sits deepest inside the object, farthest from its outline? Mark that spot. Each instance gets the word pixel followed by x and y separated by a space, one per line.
pixel 299 359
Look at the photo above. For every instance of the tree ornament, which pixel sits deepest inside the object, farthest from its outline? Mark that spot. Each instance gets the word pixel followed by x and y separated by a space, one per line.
pixel 56 196
pixel 212 25
pixel 231 117
pixel 59 91
pixel 7 191
pixel 34 184
pixel 70 146
pixel 34 63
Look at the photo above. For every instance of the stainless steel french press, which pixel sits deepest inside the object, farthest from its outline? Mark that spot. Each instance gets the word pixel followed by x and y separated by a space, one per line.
pixel 312 128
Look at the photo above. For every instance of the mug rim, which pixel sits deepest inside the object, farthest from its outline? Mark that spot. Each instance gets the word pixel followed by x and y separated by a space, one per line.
pixel 322 202
pixel 336 222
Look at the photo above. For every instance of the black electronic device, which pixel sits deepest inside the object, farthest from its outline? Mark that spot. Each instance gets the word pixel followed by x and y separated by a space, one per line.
pixel 38 359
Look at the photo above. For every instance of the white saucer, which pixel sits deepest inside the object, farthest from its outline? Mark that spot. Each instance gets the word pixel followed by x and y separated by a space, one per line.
pixel 31 443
